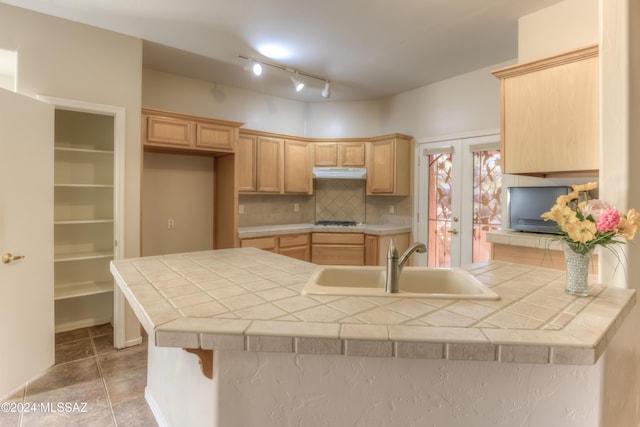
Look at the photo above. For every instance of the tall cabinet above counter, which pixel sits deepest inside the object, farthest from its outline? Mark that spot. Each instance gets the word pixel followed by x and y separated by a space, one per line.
pixel 550 115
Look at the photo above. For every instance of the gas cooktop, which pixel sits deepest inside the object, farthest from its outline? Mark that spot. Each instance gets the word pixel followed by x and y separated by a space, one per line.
pixel 337 223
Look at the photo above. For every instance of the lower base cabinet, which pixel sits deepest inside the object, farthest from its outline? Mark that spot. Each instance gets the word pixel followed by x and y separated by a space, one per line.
pixel 337 248
pixel 291 245
pixel 376 247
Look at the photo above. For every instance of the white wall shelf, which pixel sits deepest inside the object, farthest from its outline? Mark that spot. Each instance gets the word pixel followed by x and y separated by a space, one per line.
pixel 76 290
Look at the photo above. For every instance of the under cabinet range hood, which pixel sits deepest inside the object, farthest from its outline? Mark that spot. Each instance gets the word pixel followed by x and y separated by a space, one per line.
pixel 339 173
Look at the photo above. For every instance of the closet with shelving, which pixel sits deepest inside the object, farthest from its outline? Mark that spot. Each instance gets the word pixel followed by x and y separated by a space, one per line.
pixel 84 218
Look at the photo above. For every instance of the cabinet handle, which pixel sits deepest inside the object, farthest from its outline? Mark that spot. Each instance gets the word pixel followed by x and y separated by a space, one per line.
pixel 7 258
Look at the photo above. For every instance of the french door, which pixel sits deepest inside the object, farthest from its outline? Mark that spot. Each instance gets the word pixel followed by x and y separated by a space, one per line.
pixel 459 194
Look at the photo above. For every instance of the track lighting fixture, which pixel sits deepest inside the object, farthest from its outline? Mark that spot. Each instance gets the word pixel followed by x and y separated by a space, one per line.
pixel 294 75
pixel 298 84
pixel 326 92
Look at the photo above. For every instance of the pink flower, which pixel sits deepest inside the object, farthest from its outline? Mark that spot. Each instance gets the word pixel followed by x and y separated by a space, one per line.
pixel 595 208
pixel 608 220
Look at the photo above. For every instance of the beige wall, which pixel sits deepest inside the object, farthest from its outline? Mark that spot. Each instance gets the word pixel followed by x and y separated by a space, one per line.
pixel 177 187
pixel 564 26
pixel 620 153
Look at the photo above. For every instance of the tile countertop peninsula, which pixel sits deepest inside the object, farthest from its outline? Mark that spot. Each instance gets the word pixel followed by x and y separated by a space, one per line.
pixel 248 299
pixel 273 230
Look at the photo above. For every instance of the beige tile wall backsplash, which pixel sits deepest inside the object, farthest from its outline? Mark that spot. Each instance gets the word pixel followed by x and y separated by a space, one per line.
pixel 335 199
pixel 275 209
pixel 340 200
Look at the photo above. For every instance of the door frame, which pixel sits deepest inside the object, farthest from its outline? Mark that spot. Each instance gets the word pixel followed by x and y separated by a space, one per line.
pixel 119 133
pixel 420 204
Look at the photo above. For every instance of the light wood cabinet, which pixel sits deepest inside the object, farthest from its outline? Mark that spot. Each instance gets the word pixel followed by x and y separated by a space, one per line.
pixel 337 248
pixel 269 165
pixel 162 130
pixel 297 167
pixel 291 245
pixel 339 154
pixel 376 247
pixel 549 115
pixel 389 165
pixel 246 163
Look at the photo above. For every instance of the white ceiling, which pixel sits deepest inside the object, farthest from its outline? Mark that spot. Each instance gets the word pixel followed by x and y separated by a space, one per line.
pixel 369 49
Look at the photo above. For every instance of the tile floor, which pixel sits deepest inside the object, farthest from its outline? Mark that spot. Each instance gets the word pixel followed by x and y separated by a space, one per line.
pixel 87 370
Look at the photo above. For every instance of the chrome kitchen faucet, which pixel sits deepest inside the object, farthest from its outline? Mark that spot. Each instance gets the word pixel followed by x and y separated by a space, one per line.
pixel 395 264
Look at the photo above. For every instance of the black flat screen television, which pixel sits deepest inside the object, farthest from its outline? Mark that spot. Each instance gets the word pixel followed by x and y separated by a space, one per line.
pixel 526 204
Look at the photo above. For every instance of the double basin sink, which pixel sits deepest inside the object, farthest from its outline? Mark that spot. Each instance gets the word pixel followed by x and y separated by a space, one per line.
pixel 414 282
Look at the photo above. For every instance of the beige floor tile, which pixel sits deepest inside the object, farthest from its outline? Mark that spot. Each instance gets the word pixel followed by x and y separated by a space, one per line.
pixel 75 350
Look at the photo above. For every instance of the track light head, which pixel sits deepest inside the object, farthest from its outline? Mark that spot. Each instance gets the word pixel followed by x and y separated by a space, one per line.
pixel 256 68
pixel 298 84
pixel 326 92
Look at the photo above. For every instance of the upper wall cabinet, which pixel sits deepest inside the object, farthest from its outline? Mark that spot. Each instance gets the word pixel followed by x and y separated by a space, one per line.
pixel 165 130
pixel 549 115
pixel 267 163
pixel 297 167
pixel 339 154
pixel 389 165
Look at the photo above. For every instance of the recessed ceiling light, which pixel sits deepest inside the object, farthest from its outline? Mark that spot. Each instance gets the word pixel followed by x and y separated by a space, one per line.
pixel 274 51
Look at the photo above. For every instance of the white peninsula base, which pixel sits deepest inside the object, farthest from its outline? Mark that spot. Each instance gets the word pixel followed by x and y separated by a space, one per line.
pixel 288 389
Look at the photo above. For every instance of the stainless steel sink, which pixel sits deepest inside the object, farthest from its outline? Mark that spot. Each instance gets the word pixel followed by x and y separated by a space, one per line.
pixel 415 282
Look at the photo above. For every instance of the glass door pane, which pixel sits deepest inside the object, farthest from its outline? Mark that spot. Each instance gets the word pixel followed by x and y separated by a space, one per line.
pixel 487 207
pixel 439 209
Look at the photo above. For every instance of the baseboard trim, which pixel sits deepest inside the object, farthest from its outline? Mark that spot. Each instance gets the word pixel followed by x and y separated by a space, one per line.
pixel 155 409
pixel 84 323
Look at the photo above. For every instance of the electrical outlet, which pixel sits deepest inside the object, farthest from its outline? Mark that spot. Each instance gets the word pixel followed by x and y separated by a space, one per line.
pixel 296 207
pixel 241 209
pixel 392 209
pixel 171 224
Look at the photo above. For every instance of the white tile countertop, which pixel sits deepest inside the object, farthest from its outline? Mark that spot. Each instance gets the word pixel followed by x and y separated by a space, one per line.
pixel 248 299
pixel 273 230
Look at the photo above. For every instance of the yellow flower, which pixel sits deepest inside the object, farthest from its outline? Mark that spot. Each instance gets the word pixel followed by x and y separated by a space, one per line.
pixel 581 231
pixel 585 187
pixel 627 228
pixel 562 214
pixel 566 198
pixel 634 217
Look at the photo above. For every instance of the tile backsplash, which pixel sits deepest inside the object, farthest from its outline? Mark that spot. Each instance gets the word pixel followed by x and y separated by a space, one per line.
pixel 340 200
pixel 333 200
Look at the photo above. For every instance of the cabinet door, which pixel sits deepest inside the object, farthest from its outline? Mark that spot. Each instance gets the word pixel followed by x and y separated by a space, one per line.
pixel 264 243
pixel 215 137
pixel 325 154
pixel 302 253
pixel 246 163
pixel 371 250
pixel 352 154
pixel 269 170
pixel 297 167
pixel 549 117
pixel 381 169
pixel 166 131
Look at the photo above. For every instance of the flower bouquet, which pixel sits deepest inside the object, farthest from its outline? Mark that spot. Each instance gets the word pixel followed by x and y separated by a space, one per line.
pixel 583 224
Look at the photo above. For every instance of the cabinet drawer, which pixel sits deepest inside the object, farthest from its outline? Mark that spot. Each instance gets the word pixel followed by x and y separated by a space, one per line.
pixel 267 243
pixel 294 240
pixel 338 238
pixel 337 255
